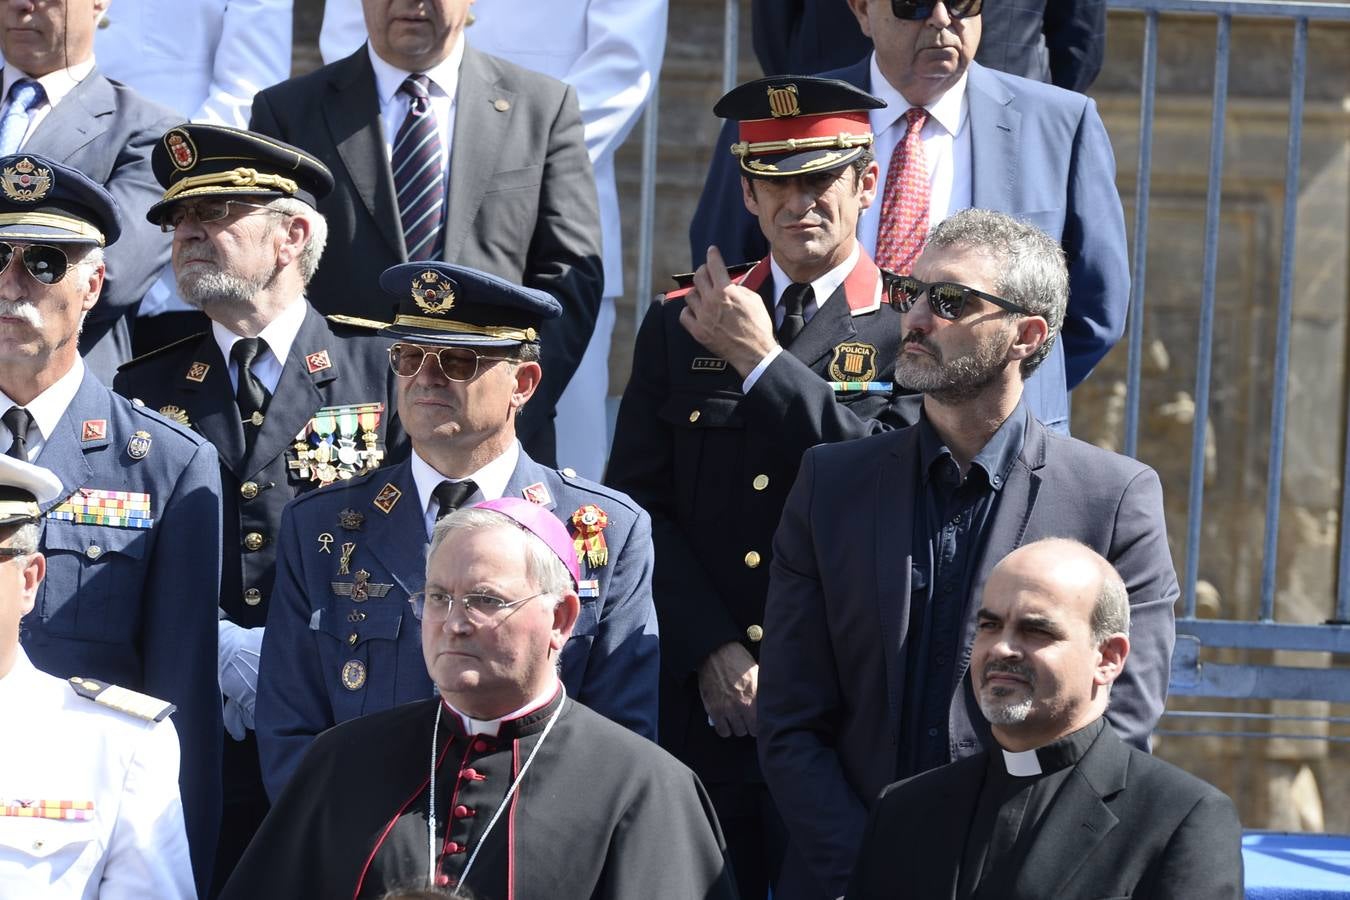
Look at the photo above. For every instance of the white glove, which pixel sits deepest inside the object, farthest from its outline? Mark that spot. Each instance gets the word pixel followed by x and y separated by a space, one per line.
pixel 237 657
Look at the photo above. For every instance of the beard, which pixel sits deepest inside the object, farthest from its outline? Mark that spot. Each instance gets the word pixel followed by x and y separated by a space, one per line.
pixel 956 380
pixel 202 287
pixel 997 703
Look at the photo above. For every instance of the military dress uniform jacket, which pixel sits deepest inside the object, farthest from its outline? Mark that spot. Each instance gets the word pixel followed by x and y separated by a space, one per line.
pixel 335 382
pixel 133 577
pixel 121 835
pixel 341 638
pixel 601 814
pixel 713 465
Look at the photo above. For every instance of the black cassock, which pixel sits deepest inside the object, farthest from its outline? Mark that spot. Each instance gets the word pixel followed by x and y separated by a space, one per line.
pixel 600 813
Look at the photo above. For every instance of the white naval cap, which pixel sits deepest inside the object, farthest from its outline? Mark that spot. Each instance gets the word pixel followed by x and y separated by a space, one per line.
pixel 24 487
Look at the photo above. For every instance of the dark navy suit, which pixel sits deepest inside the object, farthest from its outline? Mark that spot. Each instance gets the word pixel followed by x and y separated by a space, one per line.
pixel 833 665
pixel 329 656
pixel 1038 153
pixel 107 130
pixel 713 466
pixel 132 605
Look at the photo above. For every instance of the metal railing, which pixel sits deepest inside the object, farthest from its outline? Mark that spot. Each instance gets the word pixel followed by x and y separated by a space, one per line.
pixel 1191 675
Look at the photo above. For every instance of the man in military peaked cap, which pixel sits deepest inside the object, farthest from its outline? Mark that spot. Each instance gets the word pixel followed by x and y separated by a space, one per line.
pixel 132 548
pixel 341 641
pixel 95 766
pixel 734 377
pixel 290 400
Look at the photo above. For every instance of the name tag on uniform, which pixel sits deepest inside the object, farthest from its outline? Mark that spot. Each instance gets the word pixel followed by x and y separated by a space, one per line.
pixel 707 364
pixel 120 509
pixel 588 587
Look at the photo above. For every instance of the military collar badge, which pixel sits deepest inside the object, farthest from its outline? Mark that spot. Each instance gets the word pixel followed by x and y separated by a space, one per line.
pixel 197 372
pixel 317 362
pixel 386 499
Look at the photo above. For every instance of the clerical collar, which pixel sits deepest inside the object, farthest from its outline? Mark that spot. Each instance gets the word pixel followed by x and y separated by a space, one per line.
pixel 538 708
pixel 1065 752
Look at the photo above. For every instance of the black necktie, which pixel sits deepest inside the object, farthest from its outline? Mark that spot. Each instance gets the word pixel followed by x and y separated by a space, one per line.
pixel 18 420
pixel 794 303
pixel 450 495
pixel 251 395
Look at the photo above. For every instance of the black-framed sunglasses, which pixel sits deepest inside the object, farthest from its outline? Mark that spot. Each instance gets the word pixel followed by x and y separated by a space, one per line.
pixel 46 263
pixel 947 299
pixel 457 363
pixel 209 210
pixel 917 10
pixel 14 552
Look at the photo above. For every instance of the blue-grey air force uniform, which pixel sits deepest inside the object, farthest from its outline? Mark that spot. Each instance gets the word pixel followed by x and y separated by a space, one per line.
pixel 133 576
pixel 341 639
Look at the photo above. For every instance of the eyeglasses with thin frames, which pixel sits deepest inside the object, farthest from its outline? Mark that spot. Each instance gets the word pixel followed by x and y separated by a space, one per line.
pixel 947 299
pixel 480 608
pixel 211 210
pixel 457 363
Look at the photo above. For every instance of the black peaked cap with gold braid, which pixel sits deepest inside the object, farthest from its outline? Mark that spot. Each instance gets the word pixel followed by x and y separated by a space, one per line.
pixel 442 303
pixel 44 202
pixel 193 161
pixel 798 124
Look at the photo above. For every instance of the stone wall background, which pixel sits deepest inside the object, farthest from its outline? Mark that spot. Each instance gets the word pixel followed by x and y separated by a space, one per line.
pixel 1277 783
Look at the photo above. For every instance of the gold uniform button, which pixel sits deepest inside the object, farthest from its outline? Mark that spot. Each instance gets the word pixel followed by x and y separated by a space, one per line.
pixel 760 482
pixel 252 596
pixel 253 541
pixel 94 551
pixel 501 104
pixel 693 416
pixel 752 560
pixel 248 490
pixel 755 633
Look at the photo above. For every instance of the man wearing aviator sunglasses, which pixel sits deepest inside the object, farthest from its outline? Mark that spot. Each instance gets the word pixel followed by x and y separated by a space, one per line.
pixel 291 400
pixel 341 640
pixel 977 477
pixel 955 134
pixel 133 548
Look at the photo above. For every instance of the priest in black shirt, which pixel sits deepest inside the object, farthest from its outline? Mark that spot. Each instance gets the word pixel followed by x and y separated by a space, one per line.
pixel 1062 808
pixel 502 786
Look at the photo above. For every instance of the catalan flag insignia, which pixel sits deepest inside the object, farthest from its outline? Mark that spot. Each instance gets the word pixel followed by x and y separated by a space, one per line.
pixel 121 509
pixel 71 810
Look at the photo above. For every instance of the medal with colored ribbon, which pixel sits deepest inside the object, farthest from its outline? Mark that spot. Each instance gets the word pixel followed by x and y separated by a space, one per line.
pixel 589 522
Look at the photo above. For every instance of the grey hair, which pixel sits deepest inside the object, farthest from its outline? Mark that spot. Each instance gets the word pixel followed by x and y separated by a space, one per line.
pixel 318 232
pixel 93 257
pixel 26 537
pixel 543 568
pixel 1111 611
pixel 1032 271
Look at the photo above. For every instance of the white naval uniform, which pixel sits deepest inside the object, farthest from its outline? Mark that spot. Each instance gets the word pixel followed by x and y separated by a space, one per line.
pixel 610 51
pixel 60 746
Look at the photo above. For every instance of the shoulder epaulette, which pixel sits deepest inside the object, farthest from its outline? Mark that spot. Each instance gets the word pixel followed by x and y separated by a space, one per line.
pixel 684 281
pixel 133 703
pixel 358 322
pixel 160 351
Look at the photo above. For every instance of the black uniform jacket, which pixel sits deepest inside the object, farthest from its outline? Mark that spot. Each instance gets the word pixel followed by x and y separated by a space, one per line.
pixel 1124 825
pixel 713 465
pixel 600 813
pixel 336 387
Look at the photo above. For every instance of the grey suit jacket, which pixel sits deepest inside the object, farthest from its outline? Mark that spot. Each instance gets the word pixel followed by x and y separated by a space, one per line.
pixel 107 130
pixel 1124 825
pixel 832 662
pixel 522 201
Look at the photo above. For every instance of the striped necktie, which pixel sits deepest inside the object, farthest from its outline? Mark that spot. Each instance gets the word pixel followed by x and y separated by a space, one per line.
pixel 419 177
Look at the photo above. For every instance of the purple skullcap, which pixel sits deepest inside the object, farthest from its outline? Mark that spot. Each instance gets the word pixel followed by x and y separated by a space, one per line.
pixel 542 524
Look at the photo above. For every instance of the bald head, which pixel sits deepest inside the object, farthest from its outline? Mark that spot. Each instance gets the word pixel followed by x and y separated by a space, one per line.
pixel 1052 637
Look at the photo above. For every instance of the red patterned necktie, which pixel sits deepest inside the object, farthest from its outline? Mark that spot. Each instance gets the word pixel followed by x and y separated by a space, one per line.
pixel 904 203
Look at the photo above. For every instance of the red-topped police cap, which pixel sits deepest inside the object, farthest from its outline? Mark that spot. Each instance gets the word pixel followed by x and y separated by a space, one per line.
pixel 798 124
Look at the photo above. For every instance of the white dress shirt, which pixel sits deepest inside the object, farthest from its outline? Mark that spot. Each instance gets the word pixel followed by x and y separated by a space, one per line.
pixel 46 408
pixel 394 103
pixel 822 288
pixel 946 150
pixel 491 480
pixel 277 338
pixel 59 746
